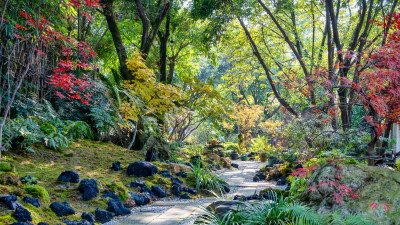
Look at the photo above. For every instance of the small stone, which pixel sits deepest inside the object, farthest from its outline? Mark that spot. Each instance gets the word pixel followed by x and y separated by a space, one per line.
pixel 261 176
pixel 32 201
pixel 88 217
pixel 21 223
pixel 62 209
pixel 89 189
pixel 140 199
pixel 176 180
pixel 226 188
pixel 103 216
pixel 189 165
pixel 146 189
pixel 69 176
pixel 22 215
pixel 256 179
pixel 109 194
pixel 116 166
pixel 75 222
pixel 142 169
pixel 165 173
pixel 176 189
pixel 115 206
pixel 235 165
pixel 281 182
pixel 185 196
pixel 138 183
pixel 182 174
pixel 42 223
pixel 158 191
pixel 191 191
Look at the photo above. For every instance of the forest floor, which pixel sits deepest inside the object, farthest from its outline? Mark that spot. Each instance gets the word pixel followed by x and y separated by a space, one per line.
pixel 184 212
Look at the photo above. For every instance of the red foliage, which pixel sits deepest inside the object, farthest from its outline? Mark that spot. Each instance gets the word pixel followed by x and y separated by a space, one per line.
pixel 303 172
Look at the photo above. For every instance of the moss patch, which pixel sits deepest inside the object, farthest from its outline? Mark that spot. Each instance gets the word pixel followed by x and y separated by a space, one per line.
pixel 4 167
pixel 38 192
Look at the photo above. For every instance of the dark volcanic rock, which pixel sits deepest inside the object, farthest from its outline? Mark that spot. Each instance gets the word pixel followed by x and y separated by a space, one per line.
pixel 140 199
pixel 103 216
pixel 146 189
pixel 22 215
pixel 239 197
pixel 11 201
pixel 226 188
pixel 185 196
pixel 218 167
pixel 69 176
pixel 182 174
pixel 176 180
pixel 109 194
pixel 234 156
pixel 89 189
pixel 116 166
pixel 42 223
pixel 138 183
pixel 256 179
pixel 222 207
pixel 281 182
pixel 191 191
pixel 189 165
pixel 165 173
pixel 32 201
pixel 235 165
pixel 88 217
pixel 261 176
pixel 158 191
pixel 21 223
pixel 142 169
pixel 299 166
pixel 176 189
pixel 115 206
pixel 62 209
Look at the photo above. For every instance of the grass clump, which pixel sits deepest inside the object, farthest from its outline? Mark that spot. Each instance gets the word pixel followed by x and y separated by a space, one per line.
pixel 205 179
pixel 37 192
pixel 5 167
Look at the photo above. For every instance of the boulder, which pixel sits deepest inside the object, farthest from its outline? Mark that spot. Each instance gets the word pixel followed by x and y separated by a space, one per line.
pixel 185 196
pixel 89 189
pixel 10 201
pixel 137 183
pixel 176 180
pixel 116 166
pixel 176 189
pixel 140 199
pixel 103 216
pixel 115 206
pixel 32 201
pixel 88 217
pixel 191 191
pixel 223 207
pixel 214 156
pixel 157 145
pixel 226 162
pixel 22 215
pixel 69 176
pixel 182 174
pixel 372 184
pixel 109 194
pixel 142 169
pixel 234 156
pixel 235 165
pixel 176 168
pixel 165 173
pixel 62 209
pixel 75 222
pixel 158 191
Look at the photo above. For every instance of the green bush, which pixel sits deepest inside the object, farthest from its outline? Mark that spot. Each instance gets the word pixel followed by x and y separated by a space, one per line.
pixel 205 179
pixel 5 168
pixel 37 192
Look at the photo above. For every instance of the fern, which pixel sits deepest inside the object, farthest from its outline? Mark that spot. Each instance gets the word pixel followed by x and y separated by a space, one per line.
pixel 79 129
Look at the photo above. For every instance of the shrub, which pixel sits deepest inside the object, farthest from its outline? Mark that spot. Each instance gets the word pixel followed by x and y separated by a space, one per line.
pixel 37 192
pixel 5 168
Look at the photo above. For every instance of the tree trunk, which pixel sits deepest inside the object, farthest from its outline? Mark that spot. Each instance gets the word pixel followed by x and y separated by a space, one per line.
pixel 119 45
pixel 163 50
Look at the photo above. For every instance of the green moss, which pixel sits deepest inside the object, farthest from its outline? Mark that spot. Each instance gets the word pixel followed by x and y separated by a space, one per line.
pixel 7 219
pixel 5 167
pixel 37 192
pixel 120 190
pixel 69 154
pixel 9 179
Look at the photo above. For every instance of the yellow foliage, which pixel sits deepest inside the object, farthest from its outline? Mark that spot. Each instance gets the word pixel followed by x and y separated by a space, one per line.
pixel 246 118
pixel 149 94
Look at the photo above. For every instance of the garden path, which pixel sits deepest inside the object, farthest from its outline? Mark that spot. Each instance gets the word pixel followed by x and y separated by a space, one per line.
pixel 184 212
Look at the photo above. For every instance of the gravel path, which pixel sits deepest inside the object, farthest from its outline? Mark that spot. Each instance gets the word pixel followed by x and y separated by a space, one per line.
pixel 173 211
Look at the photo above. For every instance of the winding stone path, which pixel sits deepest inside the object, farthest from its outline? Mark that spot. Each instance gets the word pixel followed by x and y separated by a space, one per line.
pixel 184 212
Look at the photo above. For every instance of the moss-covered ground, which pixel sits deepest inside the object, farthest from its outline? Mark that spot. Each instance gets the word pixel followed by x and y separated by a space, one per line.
pixel 92 160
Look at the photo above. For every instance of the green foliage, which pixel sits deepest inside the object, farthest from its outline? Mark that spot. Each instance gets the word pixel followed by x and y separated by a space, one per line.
pixel 297 186
pixel 260 143
pixel 4 167
pixel 79 129
pixel 120 190
pixel 206 179
pixel 37 192
pixel 336 219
